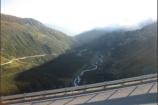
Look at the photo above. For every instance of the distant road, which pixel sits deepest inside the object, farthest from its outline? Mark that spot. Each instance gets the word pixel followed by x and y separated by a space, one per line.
pixel 26 57
pixel 78 78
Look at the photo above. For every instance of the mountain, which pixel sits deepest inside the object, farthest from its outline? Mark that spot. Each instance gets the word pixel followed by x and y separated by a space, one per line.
pixel 88 36
pixel 24 37
pixel 93 34
pixel 111 56
pixel 26 34
pixel 64 30
pixel 124 54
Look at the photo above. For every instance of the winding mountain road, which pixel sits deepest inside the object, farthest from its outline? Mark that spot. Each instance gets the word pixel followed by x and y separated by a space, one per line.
pixel 26 57
pixel 94 66
pixel 78 78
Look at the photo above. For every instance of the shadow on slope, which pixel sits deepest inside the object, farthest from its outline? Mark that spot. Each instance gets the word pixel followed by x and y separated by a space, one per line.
pixel 54 74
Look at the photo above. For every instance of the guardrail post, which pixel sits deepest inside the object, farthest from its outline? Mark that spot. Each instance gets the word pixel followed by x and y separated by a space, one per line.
pixel 141 81
pixel 1 100
pixel 123 83
pixel 24 97
pixel 84 90
pixel 44 93
pixel 65 92
pixel 31 100
pixel 104 87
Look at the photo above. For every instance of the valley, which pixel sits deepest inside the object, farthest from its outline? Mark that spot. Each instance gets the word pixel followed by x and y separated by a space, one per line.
pixel 97 60
pixel 54 60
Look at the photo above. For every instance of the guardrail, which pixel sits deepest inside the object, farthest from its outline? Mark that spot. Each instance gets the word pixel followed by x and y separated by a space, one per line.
pixel 79 89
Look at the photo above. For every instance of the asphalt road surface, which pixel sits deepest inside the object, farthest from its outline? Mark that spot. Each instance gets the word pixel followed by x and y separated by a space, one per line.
pixel 144 94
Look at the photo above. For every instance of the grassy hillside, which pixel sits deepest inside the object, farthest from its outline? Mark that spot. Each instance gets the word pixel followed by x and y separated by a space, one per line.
pixel 22 37
pixel 124 54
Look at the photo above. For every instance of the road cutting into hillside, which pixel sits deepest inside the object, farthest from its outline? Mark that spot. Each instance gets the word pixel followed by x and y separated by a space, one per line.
pixel 26 57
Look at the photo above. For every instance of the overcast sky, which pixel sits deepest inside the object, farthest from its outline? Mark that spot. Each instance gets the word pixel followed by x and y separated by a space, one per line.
pixel 80 15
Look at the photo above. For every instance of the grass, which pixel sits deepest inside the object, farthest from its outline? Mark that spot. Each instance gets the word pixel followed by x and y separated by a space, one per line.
pixel 4 60
pixel 25 37
pixel 10 72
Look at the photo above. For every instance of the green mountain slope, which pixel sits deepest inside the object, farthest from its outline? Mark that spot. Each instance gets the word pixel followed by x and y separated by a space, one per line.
pixel 23 37
pixel 115 55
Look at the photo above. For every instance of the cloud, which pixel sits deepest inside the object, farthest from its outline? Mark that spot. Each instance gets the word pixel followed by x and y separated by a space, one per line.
pixel 81 15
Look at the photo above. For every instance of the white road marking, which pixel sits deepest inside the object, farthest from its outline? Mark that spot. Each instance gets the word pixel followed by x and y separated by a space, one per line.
pixel 154 89
pixel 80 100
pixel 101 96
pixel 142 89
pixel 124 92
